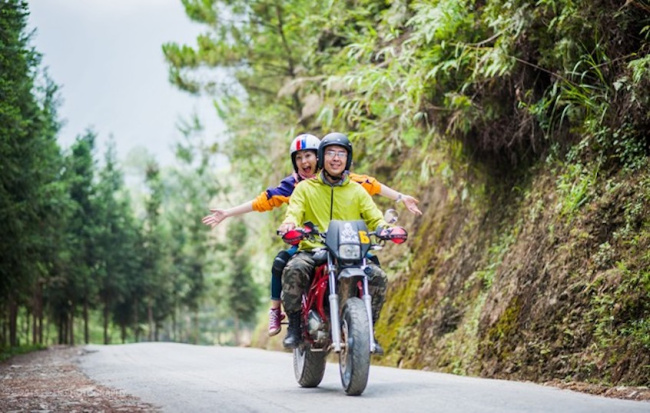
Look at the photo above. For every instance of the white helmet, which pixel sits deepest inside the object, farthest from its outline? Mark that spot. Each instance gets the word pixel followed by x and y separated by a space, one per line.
pixel 303 142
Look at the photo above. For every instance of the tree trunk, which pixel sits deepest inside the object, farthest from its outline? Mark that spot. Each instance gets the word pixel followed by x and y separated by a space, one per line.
pixel 136 321
pixel 34 327
pixel 150 320
pixel 13 323
pixel 106 315
pixel 63 328
pixel 174 323
pixel 40 324
pixel 86 327
pixel 236 325
pixel 3 321
pixel 35 318
pixel 197 330
pixel 28 323
pixel 45 332
pixel 37 305
pixel 123 332
pixel 71 327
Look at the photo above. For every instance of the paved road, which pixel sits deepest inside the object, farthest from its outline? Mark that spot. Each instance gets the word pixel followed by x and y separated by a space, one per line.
pixel 186 378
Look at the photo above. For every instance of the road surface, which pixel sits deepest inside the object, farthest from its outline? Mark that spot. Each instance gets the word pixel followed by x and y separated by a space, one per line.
pixel 186 378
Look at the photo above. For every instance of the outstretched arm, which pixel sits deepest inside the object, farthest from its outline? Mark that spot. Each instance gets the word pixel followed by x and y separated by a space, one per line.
pixel 266 201
pixel 219 215
pixel 410 202
pixel 373 187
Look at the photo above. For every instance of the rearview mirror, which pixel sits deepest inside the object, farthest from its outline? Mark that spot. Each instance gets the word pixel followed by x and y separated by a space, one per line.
pixel 390 216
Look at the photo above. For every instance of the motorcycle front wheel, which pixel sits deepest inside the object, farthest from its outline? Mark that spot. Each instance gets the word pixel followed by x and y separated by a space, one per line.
pixel 309 366
pixel 354 359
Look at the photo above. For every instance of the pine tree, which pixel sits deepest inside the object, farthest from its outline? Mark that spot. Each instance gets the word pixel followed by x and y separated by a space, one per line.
pixel 28 171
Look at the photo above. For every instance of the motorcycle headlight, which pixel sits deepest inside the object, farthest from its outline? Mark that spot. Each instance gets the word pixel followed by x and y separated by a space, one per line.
pixel 350 252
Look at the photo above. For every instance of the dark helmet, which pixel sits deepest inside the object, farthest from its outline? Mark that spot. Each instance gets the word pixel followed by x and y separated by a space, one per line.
pixel 334 138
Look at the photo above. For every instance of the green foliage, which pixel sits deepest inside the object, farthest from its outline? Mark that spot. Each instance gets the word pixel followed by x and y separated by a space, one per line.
pixel 380 72
pixel 506 326
pixel 188 188
pixel 495 256
pixel 620 312
pixel 640 69
pixel 620 309
pixel 241 292
pixel 576 188
pixel 116 244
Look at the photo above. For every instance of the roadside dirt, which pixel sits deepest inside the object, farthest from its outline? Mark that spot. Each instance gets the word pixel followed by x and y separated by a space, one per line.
pixel 51 381
pixel 619 392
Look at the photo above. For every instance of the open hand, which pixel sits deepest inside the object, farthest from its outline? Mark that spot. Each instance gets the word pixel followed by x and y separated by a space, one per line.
pixel 411 204
pixel 215 217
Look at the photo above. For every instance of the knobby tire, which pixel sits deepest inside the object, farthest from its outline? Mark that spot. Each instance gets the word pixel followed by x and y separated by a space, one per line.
pixel 308 366
pixel 354 360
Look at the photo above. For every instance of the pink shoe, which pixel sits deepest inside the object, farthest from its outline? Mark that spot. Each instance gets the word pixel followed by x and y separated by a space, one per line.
pixel 275 318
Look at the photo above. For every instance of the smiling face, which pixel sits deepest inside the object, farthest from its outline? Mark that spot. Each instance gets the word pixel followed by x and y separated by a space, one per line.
pixel 306 163
pixel 335 160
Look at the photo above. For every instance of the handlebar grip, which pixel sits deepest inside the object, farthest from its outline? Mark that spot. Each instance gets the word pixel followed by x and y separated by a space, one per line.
pixel 395 234
pixel 294 236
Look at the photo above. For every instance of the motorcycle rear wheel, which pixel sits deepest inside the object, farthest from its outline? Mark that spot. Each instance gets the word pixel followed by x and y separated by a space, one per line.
pixel 308 366
pixel 354 359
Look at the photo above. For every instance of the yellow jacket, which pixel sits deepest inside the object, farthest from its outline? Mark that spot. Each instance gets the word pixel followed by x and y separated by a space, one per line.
pixel 317 201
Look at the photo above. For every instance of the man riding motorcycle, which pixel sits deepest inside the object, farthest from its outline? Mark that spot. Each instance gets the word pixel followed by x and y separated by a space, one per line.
pixel 330 196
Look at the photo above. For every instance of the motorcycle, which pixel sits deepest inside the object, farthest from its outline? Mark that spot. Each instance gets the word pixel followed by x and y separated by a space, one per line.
pixel 336 310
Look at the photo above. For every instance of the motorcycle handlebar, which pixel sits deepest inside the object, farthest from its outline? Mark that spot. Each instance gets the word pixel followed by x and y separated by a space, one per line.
pixel 397 235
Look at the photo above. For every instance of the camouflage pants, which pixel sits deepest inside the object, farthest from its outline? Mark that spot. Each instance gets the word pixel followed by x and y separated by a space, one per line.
pixel 296 279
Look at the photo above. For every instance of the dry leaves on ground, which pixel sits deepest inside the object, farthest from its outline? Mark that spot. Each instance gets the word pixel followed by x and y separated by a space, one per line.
pixel 618 392
pixel 51 381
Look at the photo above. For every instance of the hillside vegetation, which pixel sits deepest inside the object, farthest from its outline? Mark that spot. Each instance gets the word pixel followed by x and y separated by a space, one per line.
pixel 539 280
pixel 521 126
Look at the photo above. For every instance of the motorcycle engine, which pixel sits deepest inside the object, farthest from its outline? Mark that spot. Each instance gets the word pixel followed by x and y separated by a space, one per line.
pixel 316 327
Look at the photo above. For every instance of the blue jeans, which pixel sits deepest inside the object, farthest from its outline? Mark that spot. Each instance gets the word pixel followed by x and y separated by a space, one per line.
pixel 279 263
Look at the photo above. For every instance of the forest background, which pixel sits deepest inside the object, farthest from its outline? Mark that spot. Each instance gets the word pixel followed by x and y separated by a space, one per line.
pixel 522 127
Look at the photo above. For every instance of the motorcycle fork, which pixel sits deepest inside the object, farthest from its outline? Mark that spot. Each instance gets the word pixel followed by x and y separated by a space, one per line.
pixel 334 306
pixel 367 300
